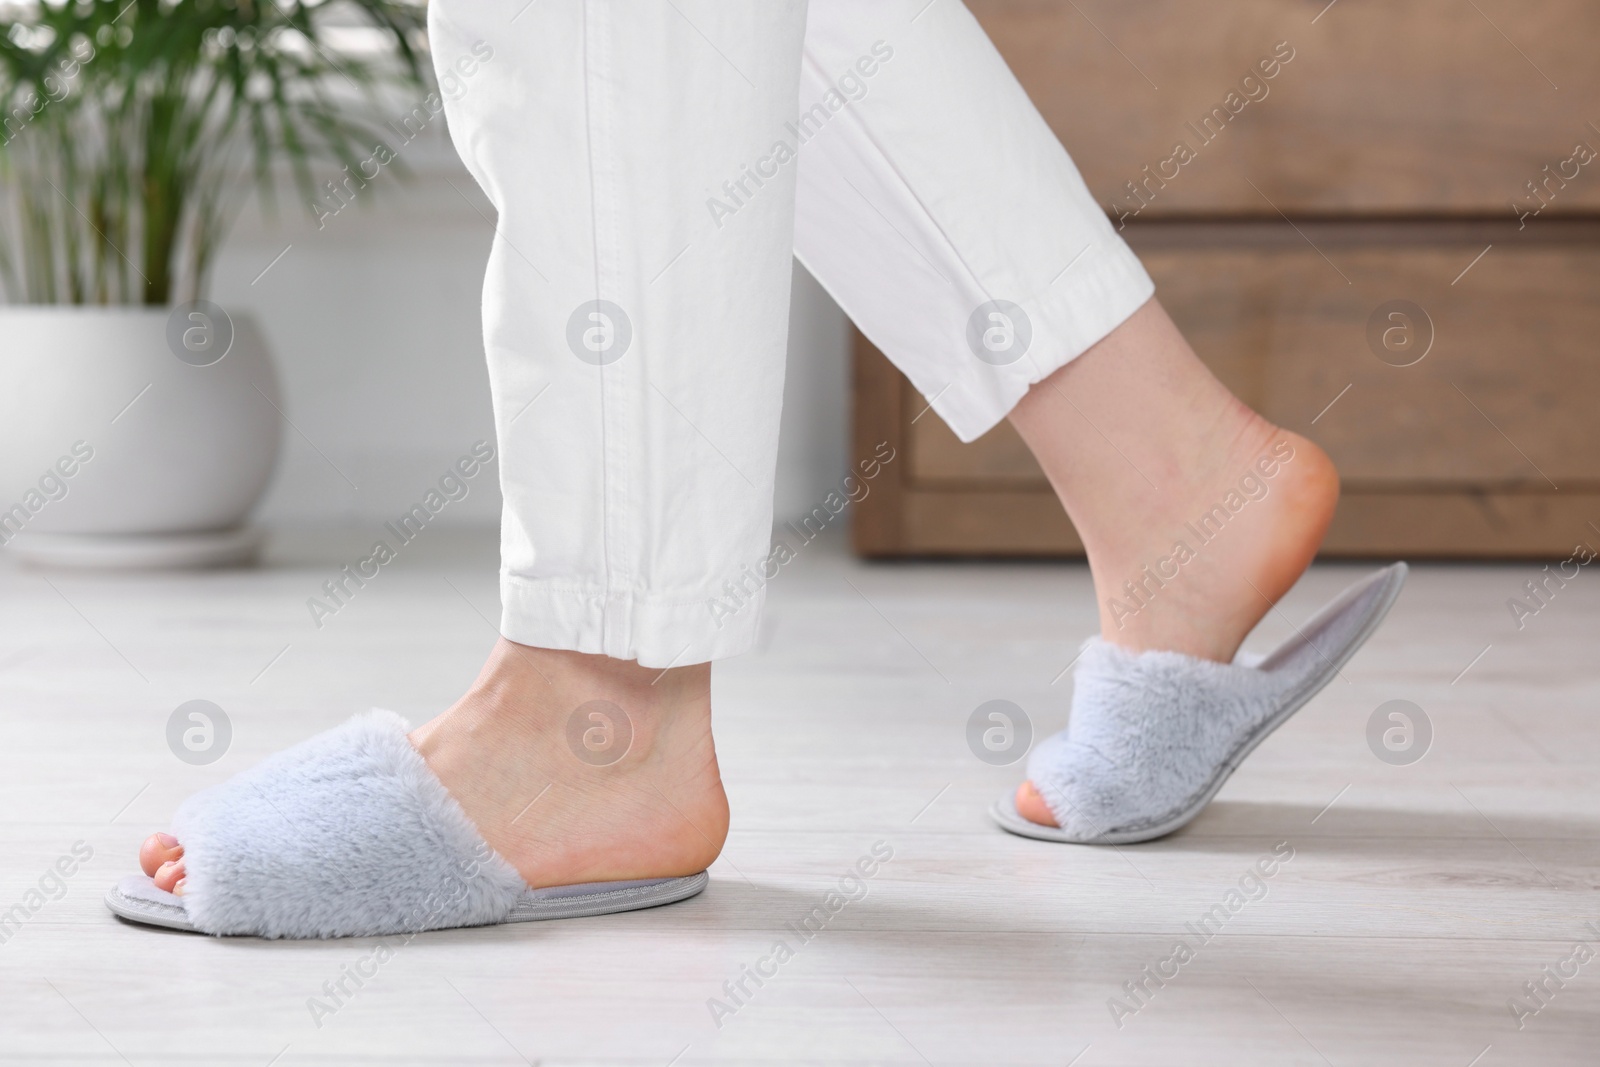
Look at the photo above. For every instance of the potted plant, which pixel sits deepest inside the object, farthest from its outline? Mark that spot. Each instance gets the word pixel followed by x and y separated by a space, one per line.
pixel 139 423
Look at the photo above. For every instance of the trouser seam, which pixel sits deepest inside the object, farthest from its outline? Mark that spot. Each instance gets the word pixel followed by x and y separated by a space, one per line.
pixel 615 379
pixel 885 165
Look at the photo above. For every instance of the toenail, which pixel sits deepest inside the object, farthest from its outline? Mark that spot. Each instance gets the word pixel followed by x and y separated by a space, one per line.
pixel 167 840
pixel 177 890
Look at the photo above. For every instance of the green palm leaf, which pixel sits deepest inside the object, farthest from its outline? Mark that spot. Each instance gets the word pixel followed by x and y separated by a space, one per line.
pixel 130 131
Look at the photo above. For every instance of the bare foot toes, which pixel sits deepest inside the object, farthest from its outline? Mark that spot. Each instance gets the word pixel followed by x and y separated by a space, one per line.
pixel 156 850
pixel 1031 806
pixel 169 876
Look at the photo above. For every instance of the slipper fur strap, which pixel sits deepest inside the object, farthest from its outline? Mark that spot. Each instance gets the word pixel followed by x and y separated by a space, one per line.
pixel 346 834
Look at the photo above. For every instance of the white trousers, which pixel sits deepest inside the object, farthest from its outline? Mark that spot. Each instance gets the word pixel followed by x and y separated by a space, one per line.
pixel 655 164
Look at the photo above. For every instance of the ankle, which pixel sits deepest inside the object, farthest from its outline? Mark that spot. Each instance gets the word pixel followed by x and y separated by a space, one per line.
pixel 537 695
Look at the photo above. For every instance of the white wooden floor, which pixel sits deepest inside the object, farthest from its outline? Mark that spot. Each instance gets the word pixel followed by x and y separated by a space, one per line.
pixel 1418 902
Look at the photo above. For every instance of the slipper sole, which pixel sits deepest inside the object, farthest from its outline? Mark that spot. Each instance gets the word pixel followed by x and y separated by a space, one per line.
pixel 137 899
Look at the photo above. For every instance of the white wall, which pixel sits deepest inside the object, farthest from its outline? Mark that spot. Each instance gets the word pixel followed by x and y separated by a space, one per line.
pixel 374 322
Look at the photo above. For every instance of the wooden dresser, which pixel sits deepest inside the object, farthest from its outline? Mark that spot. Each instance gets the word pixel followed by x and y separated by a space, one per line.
pixel 1395 251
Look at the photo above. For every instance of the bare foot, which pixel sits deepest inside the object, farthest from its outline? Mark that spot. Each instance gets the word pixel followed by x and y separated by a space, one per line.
pixel 575 768
pixel 540 759
pixel 161 857
pixel 1197 514
pixel 1209 602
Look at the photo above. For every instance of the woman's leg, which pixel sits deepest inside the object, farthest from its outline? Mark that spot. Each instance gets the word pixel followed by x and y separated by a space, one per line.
pixel 946 218
pixel 635 320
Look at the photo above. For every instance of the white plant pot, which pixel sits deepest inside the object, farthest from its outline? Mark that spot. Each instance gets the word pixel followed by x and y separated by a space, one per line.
pixel 114 452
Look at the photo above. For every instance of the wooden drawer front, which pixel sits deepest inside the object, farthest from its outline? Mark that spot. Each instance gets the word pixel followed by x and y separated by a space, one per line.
pixel 1404 106
pixel 1492 405
pixel 1369 523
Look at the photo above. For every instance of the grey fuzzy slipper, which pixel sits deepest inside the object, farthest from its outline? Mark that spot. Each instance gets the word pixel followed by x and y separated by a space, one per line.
pixel 349 834
pixel 1154 735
